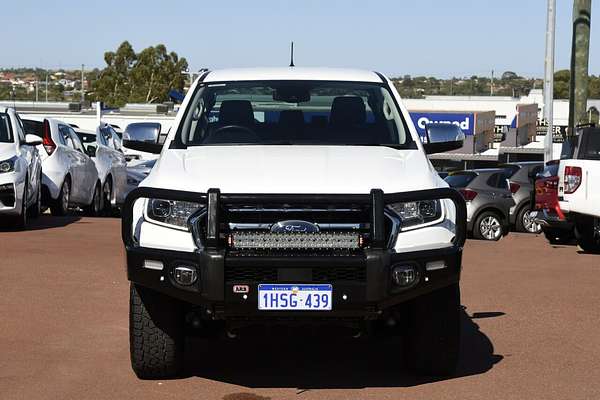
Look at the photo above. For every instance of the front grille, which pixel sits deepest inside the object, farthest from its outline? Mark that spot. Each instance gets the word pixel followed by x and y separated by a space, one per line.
pixel 260 274
pixel 250 274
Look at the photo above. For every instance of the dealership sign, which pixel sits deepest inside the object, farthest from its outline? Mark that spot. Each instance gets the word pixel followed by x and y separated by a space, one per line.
pixel 465 121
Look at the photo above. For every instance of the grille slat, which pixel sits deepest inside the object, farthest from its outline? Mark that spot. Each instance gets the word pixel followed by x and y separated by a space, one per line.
pixel 319 275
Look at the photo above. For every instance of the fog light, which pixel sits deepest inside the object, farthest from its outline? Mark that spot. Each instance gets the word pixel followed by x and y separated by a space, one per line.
pixel 185 275
pixel 405 275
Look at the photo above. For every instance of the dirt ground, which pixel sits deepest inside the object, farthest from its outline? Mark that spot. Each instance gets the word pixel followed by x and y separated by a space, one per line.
pixel 531 328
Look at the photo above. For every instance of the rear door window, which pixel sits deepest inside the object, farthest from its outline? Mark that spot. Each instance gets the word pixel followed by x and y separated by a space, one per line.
pixel 459 180
pixel 591 146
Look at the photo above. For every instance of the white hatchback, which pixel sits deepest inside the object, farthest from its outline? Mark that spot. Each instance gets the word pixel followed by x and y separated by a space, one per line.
pixel 69 175
pixel 104 147
pixel 20 171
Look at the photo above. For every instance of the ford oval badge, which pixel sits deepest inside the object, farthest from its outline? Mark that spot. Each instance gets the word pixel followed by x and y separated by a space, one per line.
pixel 294 226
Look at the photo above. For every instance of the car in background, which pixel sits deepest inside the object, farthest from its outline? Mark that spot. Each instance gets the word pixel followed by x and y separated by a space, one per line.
pixel 69 176
pixel 104 149
pixel 488 198
pixel 520 177
pixel 20 171
pixel 134 156
pixel 137 173
pixel 547 212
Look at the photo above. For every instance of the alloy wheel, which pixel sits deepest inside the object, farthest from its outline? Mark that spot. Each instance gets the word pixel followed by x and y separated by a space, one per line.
pixel 529 224
pixel 490 228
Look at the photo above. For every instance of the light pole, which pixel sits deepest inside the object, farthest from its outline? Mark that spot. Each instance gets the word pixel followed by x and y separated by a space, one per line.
pixel 580 57
pixel 549 80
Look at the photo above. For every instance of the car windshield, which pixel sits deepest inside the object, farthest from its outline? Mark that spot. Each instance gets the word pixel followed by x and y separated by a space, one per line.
pixel 294 112
pixel 5 133
pixel 459 180
pixel 87 139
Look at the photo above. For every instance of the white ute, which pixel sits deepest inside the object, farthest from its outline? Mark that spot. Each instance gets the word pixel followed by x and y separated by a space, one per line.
pixel 20 171
pixel 579 189
pixel 293 196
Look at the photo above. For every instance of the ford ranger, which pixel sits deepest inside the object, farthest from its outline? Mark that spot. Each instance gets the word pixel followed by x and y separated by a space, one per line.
pixel 293 196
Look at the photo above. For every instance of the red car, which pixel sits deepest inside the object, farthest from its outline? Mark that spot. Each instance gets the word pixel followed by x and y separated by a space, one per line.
pixel 547 212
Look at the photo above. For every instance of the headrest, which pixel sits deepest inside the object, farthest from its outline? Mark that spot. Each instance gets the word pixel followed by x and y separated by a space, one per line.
pixel 236 112
pixel 347 111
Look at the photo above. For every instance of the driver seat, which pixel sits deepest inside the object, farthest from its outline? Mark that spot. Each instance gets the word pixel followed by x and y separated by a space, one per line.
pixel 234 112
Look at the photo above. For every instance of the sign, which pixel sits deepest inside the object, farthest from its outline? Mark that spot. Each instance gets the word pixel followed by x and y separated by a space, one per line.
pixel 464 120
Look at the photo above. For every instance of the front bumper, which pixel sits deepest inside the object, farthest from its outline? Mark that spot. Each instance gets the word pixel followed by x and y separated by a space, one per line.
pixel 362 284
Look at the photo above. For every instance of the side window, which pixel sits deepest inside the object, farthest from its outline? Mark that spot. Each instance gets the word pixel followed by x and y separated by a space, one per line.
pixel 493 180
pixel 75 140
pixel 116 140
pixel 66 136
pixel 106 136
pixel 19 129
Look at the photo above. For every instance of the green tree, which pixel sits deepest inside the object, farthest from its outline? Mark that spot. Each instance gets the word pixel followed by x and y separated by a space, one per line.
pixel 131 77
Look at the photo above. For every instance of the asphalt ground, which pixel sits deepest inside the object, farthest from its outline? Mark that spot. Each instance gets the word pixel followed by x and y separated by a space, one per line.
pixel 531 326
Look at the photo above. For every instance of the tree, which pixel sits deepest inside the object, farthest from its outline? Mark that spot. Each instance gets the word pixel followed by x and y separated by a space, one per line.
pixel 509 75
pixel 131 77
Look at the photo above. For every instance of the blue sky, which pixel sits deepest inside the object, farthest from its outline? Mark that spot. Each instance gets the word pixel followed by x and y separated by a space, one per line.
pixel 419 37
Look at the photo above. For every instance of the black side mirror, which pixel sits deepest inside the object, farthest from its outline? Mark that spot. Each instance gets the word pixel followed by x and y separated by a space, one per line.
pixel 443 137
pixel 91 151
pixel 143 136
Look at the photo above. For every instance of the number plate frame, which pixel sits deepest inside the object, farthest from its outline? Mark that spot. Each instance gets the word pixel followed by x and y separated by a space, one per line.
pixel 295 297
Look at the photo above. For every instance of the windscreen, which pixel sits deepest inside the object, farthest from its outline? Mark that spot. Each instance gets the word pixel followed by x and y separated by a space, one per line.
pixel 5 133
pixel 459 180
pixel 294 112
pixel 33 127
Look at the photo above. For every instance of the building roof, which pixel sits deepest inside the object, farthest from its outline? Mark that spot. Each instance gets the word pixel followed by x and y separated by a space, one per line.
pixel 292 73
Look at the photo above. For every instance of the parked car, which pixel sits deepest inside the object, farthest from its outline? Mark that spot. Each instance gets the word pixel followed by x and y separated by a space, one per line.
pixel 133 156
pixel 104 148
pixel 579 188
pixel 69 176
pixel 137 173
pixel 20 171
pixel 313 201
pixel 488 198
pixel 521 176
pixel 547 212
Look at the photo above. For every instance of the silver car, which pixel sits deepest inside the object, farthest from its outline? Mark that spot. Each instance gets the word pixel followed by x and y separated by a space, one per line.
pixel 105 151
pixel 488 197
pixel 69 176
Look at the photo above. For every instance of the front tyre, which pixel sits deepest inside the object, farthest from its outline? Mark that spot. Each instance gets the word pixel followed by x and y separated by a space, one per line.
pixel 156 338
pixel 432 344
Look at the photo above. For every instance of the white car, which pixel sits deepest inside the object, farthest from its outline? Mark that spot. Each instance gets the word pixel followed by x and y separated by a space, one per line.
pixel 69 175
pixel 579 189
pixel 20 171
pixel 293 196
pixel 103 146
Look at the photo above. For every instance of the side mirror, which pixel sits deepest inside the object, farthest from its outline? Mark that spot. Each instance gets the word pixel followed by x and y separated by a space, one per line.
pixel 91 150
pixel 143 136
pixel 32 140
pixel 443 137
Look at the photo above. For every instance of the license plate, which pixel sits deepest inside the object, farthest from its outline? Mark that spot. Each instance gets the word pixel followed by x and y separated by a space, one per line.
pixel 294 297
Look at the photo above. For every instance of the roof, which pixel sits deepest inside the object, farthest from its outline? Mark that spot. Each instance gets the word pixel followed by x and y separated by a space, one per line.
pixel 292 73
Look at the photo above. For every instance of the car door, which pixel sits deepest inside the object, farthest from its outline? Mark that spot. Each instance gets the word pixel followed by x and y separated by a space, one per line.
pixel 77 167
pixel 88 169
pixel 118 166
pixel 26 154
pixel 500 190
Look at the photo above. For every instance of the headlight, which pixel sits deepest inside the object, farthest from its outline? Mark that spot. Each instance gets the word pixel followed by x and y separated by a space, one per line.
pixel 417 214
pixel 171 212
pixel 8 165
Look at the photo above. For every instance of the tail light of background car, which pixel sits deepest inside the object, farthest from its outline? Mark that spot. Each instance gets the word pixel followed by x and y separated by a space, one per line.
pixel 572 179
pixel 468 194
pixel 514 187
pixel 47 141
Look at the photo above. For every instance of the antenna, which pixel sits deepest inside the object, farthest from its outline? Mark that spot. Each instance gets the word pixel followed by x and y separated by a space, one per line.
pixel 292 55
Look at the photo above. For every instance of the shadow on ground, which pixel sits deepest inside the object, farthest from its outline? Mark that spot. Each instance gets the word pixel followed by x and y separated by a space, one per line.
pixel 44 221
pixel 313 363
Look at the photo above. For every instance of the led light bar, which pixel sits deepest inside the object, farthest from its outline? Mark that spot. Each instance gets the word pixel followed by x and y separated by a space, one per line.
pixel 296 240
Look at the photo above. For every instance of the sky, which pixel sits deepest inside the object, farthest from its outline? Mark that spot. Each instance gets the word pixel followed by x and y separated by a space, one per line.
pixel 420 37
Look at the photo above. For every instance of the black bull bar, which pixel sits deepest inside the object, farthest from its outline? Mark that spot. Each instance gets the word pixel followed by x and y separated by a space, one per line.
pixel 376 200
